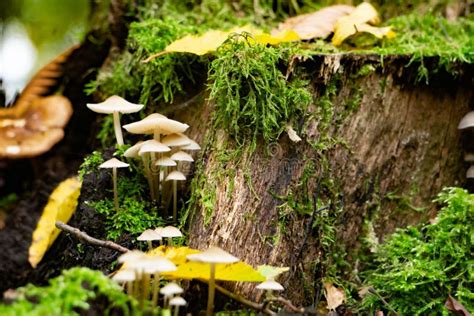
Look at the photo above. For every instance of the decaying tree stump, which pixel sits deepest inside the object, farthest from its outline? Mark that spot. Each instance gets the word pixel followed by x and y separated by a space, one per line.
pixel 399 148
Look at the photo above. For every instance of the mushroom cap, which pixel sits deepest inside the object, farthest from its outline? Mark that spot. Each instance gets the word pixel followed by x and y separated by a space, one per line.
pixel 178 301
pixel 149 234
pixel 115 104
pixel 113 163
pixel 153 146
pixel 176 175
pixel 213 255
pixel 150 124
pixel 191 146
pixel 467 121
pixel 175 140
pixel 124 275
pixel 169 232
pixel 165 162
pixel 132 152
pixel 158 264
pixel 270 285
pixel 36 130
pixel 469 157
pixel 470 172
pixel 171 289
pixel 181 156
pixel 130 256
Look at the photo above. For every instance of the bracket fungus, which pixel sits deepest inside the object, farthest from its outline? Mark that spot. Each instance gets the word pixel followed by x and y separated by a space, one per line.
pixel 34 130
pixel 212 256
pixel 115 105
pixel 113 164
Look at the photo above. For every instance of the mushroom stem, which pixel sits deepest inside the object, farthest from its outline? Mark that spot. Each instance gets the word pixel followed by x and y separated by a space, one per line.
pixel 175 200
pixel 114 179
pixel 118 128
pixel 146 285
pixel 212 289
pixel 148 175
pixel 150 245
pixel 176 310
pixel 156 289
pixel 154 175
pixel 156 135
pixel 130 288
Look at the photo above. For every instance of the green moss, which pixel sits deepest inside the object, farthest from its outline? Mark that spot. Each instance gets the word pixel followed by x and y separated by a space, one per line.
pixel 71 294
pixel 8 200
pixel 417 267
pixel 252 96
pixel 90 164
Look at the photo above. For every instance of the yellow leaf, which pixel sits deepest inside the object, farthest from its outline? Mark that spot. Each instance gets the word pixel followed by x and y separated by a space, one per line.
pixel 207 42
pixel 277 38
pixel 318 24
pixel 334 296
pixel 270 272
pixel 61 205
pixel 236 272
pixel 177 255
pixel 357 22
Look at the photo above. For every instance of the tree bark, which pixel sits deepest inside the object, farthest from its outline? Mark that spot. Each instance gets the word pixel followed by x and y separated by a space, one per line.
pixel 401 147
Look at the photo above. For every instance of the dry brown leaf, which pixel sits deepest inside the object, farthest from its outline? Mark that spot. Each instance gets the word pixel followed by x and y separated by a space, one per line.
pixel 334 297
pixel 457 308
pixel 318 24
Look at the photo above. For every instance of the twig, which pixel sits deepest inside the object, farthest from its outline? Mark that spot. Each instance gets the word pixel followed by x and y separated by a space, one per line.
pixel 287 303
pixel 242 300
pixel 151 57
pixel 390 308
pixel 90 240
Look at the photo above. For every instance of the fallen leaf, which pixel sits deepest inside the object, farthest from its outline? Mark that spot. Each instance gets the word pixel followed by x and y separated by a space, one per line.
pixel 318 24
pixel 334 296
pixel 177 255
pixel 358 21
pixel 207 42
pixel 61 205
pixel 292 134
pixel 277 38
pixel 457 308
pixel 236 272
pixel 270 272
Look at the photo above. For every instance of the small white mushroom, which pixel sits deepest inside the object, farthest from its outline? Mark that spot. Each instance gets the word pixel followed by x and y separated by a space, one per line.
pixel 156 124
pixel 177 302
pixel 176 140
pixel 467 121
pixel 113 164
pixel 148 150
pixel 269 286
pixel 169 290
pixel 149 235
pixel 470 172
pixel 175 176
pixel 191 146
pixel 169 232
pixel 213 255
pixel 127 276
pixel 115 105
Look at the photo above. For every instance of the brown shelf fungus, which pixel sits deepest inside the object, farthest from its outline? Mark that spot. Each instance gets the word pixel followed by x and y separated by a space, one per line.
pixel 34 130
pixel 115 105
pixel 113 164
pixel 212 256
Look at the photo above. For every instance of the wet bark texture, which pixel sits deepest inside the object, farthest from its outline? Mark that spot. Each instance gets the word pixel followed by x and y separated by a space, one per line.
pixel 402 147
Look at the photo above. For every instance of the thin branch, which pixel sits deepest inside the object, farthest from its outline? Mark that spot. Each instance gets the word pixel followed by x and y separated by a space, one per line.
pixel 88 239
pixel 151 57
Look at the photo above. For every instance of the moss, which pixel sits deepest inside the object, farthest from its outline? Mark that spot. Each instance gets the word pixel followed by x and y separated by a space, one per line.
pixel 418 267
pixel 251 94
pixel 8 200
pixel 90 164
pixel 71 294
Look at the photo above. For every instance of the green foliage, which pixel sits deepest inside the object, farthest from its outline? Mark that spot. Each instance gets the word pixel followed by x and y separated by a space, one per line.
pixel 417 267
pixel 135 214
pixel 70 294
pixel 251 94
pixel 8 200
pixel 90 164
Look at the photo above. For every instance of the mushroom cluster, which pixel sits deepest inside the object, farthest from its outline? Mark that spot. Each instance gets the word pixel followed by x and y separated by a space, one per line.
pixel 467 122
pixel 163 157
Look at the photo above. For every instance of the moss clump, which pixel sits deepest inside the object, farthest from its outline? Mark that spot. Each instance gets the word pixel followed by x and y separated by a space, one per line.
pixel 418 267
pixel 251 94
pixel 135 215
pixel 90 164
pixel 71 294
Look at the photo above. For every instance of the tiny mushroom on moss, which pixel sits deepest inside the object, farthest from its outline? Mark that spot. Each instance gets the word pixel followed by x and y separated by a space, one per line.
pixel 152 147
pixel 113 164
pixel 127 276
pixel 115 105
pixel 269 286
pixel 169 232
pixel 175 176
pixel 177 302
pixel 149 235
pixel 159 265
pixel 212 256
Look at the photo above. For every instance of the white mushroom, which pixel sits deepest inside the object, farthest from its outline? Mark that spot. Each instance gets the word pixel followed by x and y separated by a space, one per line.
pixel 149 235
pixel 177 302
pixel 115 105
pixel 175 176
pixel 113 164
